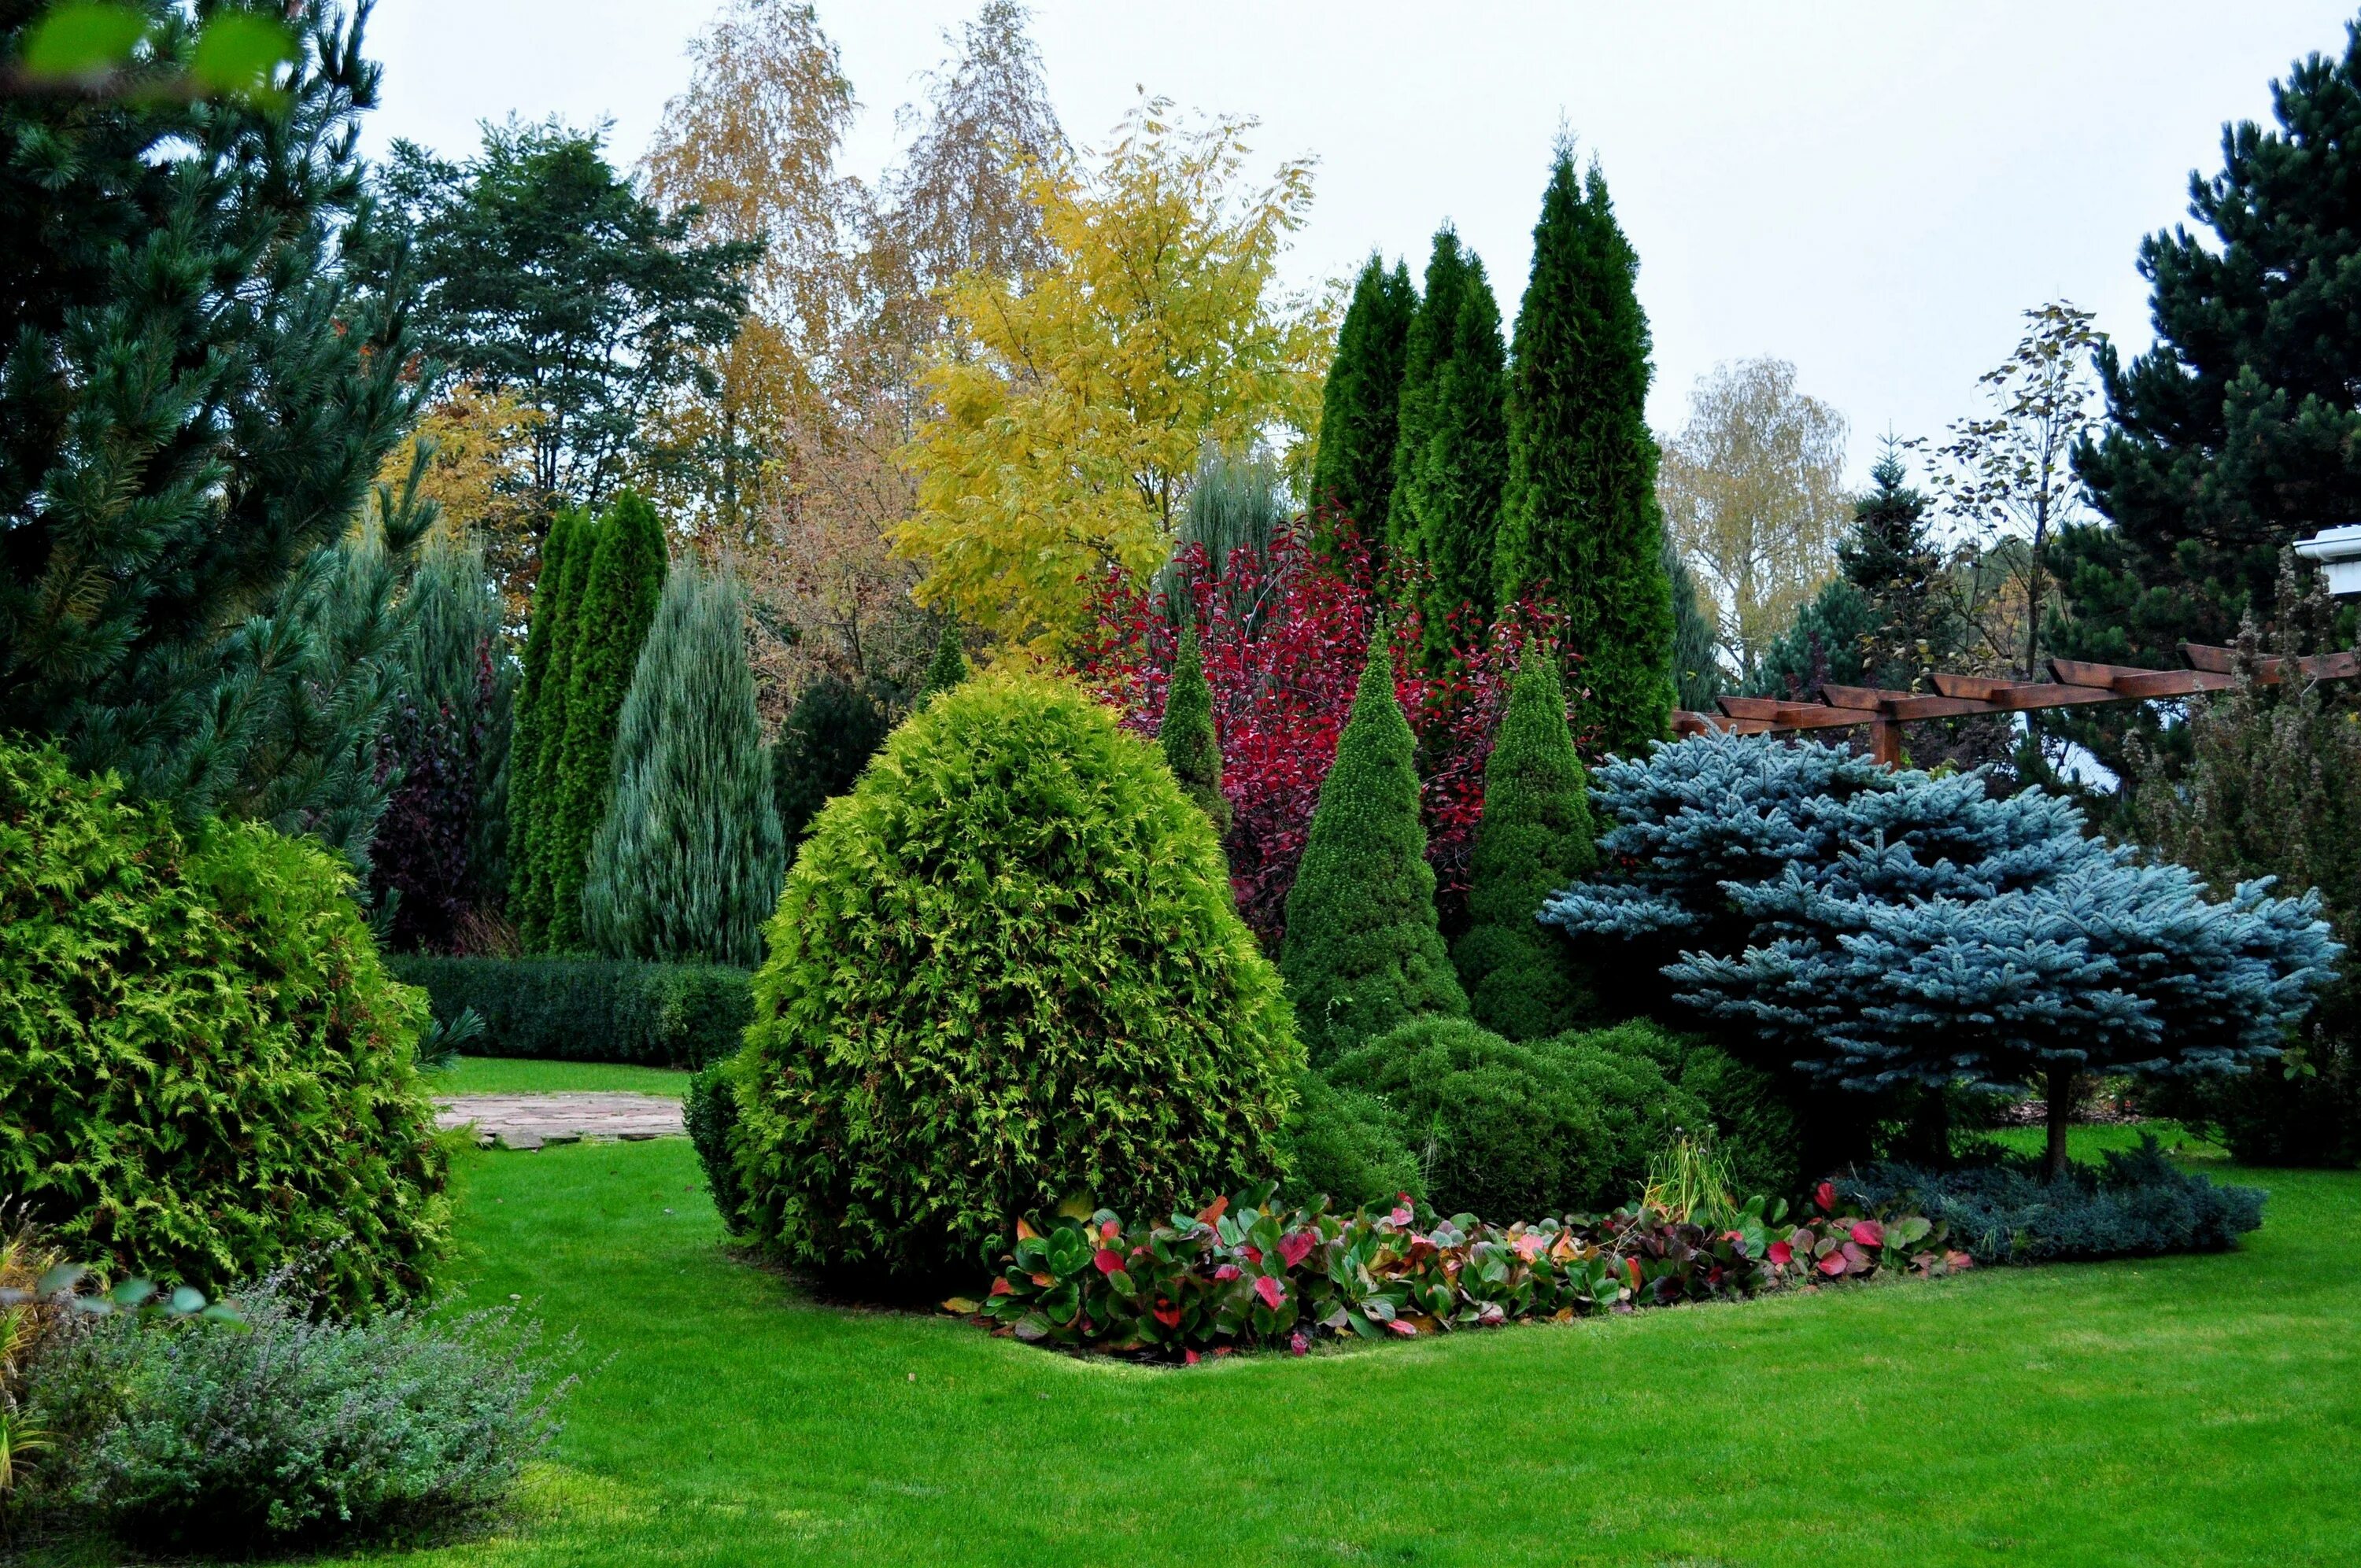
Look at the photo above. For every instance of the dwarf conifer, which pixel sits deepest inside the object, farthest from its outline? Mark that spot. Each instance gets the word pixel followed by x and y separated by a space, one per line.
pixel 949 666
pixel 1186 732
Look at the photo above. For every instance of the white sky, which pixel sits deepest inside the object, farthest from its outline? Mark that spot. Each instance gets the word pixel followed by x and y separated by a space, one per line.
pixel 1872 191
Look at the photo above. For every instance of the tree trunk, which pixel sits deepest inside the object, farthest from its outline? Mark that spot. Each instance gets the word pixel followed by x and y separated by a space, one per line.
pixel 2061 1089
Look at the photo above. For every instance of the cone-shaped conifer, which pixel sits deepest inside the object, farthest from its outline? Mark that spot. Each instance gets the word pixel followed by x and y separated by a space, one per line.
pixel 531 713
pixel 1534 839
pixel 1187 734
pixel 618 602
pixel 949 666
pixel 1363 952
pixel 1434 328
pixel 1460 471
pixel 1580 518
pixel 687 864
pixel 557 599
pixel 1352 475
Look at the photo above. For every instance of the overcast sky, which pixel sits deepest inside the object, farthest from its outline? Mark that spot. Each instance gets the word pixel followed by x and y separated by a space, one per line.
pixel 1871 190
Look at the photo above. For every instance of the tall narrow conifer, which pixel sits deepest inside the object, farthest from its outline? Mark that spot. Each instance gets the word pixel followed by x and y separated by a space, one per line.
pixel 1580 518
pixel 525 742
pixel 1363 950
pixel 1352 475
pixel 1434 328
pixel 558 602
pixel 1534 839
pixel 1456 477
pixel 618 602
pixel 1186 732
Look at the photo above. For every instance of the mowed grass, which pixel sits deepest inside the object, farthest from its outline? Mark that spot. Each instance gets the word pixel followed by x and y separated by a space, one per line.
pixel 2198 1410
pixel 515 1075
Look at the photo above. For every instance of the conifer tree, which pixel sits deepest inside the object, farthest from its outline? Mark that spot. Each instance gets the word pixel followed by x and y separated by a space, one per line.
pixel 526 733
pixel 1580 518
pixel 1352 475
pixel 1433 327
pixel 1534 839
pixel 830 734
pixel 1696 672
pixel 949 666
pixel 1456 477
pixel 558 601
pixel 1186 732
pixel 1363 950
pixel 618 602
pixel 687 863
pixel 1891 559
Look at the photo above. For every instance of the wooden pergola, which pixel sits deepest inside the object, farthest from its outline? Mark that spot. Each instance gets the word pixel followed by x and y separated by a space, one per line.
pixel 2073 684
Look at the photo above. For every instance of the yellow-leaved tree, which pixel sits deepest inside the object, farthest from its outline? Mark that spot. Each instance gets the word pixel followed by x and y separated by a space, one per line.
pixel 1071 399
pixel 479 474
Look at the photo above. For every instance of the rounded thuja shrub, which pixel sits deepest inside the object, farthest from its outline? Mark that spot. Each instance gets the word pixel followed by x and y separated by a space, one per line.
pixel 1005 974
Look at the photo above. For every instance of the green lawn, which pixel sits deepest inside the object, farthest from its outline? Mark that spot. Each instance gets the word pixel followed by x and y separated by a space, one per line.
pixel 515 1075
pixel 2200 1411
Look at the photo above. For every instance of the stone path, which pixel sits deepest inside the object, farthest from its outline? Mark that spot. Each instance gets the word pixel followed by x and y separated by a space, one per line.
pixel 530 1121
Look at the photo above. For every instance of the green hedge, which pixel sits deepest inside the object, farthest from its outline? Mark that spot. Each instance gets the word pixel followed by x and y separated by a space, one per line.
pixel 612 1010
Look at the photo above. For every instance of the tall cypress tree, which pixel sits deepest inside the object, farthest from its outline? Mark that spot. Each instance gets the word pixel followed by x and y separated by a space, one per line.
pixel 618 602
pixel 1352 475
pixel 1458 474
pixel 1580 517
pixel 687 863
pixel 1363 950
pixel 1186 732
pixel 1534 840
pixel 527 733
pixel 529 856
pixel 1433 327
pixel 2236 430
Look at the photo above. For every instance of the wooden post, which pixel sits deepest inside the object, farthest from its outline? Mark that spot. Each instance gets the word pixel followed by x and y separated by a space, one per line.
pixel 1885 742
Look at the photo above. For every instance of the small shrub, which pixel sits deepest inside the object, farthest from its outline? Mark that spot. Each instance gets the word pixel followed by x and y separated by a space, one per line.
pixel 2136 1204
pixel 1504 1127
pixel 833 730
pixel 1006 973
pixel 1347 1147
pixel 606 1010
pixel 710 1113
pixel 1752 1114
pixel 291 1430
pixel 205 1069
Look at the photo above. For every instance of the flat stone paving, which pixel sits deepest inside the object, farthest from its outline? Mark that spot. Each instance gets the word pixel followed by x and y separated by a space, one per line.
pixel 530 1121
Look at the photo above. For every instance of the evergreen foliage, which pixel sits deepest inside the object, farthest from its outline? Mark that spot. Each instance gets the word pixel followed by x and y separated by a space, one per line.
pixel 830 734
pixel 1006 970
pixel 1825 645
pixel 619 599
pixel 1755 1132
pixel 593 1010
pixel 1453 463
pixel 1891 559
pixel 949 666
pixel 1186 733
pixel 205 1071
pixel 2236 429
pixel 1579 520
pixel 1881 930
pixel 686 865
pixel 558 602
pixel 1364 951
pixel 1347 1145
pixel 1433 331
pixel 1353 474
pixel 1235 504
pixel 1697 670
pixel 194 401
pixel 1506 1128
pixel 1534 838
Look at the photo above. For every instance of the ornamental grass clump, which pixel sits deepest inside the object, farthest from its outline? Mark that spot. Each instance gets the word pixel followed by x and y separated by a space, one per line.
pixel 1005 974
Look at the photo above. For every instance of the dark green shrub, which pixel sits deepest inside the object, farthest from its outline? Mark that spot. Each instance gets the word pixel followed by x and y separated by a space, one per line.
pixel 2136 1204
pixel 615 1010
pixel 1344 1146
pixel 1186 733
pixel 1006 973
pixel 710 1112
pixel 1364 952
pixel 833 730
pixel 1753 1121
pixel 947 668
pixel 289 1430
pixel 1507 1129
pixel 205 1071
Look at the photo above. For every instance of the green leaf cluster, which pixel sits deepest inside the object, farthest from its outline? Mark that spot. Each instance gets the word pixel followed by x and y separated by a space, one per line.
pixel 205 1069
pixel 1006 973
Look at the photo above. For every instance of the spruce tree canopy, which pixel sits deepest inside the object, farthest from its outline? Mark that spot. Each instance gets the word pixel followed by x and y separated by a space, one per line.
pixel 2236 430
pixel 1579 519
pixel 1891 558
pixel 1353 472
pixel 1363 950
pixel 949 666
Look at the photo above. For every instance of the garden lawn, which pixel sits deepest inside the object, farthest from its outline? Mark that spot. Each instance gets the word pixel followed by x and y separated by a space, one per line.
pixel 2197 1410
pixel 520 1075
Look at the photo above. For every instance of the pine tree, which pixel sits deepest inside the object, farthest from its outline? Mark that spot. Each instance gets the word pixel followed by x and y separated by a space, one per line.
pixel 194 403
pixel 1891 559
pixel 618 602
pixel 830 734
pixel 1434 330
pixel 1534 840
pixel 1352 477
pixel 1186 732
pixel 1579 519
pixel 2237 430
pixel 687 863
pixel 1362 952
pixel 558 603
pixel 1696 672
pixel 949 666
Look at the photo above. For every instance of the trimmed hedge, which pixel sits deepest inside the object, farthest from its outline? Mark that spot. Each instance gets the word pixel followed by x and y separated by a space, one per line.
pixel 609 1009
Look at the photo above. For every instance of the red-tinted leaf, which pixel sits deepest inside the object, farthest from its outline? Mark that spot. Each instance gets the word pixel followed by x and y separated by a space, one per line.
pixel 1168 1314
pixel 1781 1253
pixel 1296 1247
pixel 1271 1291
pixel 1228 1272
pixel 1403 1327
pixel 1212 1211
pixel 1869 1233
pixel 1109 1262
pixel 1833 1265
pixel 1297 1343
pixel 1825 1195
pixel 1001 1288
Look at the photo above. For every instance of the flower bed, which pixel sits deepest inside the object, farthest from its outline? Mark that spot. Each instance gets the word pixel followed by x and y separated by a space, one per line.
pixel 1239 1277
